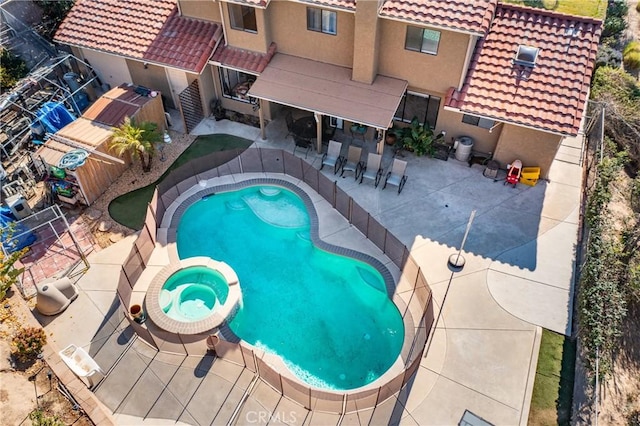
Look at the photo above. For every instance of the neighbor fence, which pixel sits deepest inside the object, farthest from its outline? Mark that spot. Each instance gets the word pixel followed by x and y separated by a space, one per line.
pixel 412 294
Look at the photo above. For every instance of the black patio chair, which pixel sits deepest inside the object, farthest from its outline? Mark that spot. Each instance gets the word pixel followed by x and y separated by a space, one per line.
pixel 303 144
pixel 289 119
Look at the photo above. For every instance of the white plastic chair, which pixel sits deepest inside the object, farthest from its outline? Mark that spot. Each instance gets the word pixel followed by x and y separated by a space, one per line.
pixel 396 175
pixel 353 162
pixel 332 157
pixel 81 363
pixel 372 169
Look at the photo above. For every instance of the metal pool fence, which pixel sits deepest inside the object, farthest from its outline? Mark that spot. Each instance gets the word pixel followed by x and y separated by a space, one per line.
pixel 412 294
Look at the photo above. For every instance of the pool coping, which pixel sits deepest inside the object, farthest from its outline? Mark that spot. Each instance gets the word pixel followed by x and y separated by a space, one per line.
pixel 213 321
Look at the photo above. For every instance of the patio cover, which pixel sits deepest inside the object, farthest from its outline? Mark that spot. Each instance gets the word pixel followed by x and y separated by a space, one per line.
pixel 328 90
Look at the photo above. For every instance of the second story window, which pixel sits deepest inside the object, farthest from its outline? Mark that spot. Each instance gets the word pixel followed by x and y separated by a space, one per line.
pixel 422 40
pixel 243 18
pixel 321 20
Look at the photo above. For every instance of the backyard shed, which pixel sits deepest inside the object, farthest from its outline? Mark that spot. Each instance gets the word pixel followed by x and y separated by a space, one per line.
pixel 91 133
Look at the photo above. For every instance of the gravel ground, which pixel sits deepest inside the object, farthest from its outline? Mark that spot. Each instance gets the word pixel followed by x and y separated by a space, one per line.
pixel 132 178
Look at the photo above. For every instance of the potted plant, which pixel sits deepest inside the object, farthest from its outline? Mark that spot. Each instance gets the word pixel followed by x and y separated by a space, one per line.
pixel 418 138
pixel 391 136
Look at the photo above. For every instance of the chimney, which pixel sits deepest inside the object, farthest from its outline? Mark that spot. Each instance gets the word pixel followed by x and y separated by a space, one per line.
pixel 365 42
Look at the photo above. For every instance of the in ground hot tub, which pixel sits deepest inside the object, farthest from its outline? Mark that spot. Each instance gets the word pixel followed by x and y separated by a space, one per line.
pixel 193 295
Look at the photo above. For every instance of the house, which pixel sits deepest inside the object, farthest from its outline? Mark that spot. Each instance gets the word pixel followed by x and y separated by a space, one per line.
pixel 513 78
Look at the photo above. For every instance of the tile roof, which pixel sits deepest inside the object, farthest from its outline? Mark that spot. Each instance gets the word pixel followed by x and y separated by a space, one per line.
pixel 256 3
pixel 469 16
pixel 141 29
pixel 244 59
pixel 550 96
pixel 349 5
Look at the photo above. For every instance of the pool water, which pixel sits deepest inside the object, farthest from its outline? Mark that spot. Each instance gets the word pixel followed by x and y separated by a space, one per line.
pixel 327 316
pixel 191 294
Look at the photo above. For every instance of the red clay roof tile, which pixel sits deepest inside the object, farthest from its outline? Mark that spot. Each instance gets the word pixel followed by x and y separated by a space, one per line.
pixel 549 96
pixel 148 30
pixel 244 59
pixel 470 16
pixel 257 3
pixel 349 5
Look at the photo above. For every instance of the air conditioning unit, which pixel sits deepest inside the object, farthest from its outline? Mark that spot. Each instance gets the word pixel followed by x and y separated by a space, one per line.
pixel 19 206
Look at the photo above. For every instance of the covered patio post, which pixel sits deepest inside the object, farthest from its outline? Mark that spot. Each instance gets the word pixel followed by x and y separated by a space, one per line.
pixel 380 144
pixel 263 134
pixel 318 118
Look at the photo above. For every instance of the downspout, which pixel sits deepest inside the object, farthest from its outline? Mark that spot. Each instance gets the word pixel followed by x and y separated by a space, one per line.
pixel 467 60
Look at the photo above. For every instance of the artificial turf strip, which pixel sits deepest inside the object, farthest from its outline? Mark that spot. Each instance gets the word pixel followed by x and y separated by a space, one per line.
pixel 553 387
pixel 129 209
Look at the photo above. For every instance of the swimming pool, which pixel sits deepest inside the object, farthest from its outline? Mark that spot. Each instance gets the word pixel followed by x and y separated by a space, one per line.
pixel 328 317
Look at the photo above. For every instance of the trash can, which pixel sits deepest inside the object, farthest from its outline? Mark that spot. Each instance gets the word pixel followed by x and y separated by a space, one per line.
pixel 463 146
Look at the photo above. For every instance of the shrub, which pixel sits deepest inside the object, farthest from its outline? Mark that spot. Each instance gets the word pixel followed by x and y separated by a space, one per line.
pixel 631 55
pixel 638 7
pixel 28 343
pixel 632 61
pixel 12 69
pixel 608 56
pixel 632 46
pixel 615 22
pixel 38 418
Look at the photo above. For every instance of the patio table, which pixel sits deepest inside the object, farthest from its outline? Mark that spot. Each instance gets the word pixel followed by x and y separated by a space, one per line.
pixel 305 127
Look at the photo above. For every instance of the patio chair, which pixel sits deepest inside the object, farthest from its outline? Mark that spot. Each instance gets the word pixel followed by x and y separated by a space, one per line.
pixel 332 157
pixel 303 144
pixel 353 162
pixel 396 175
pixel 289 119
pixel 372 169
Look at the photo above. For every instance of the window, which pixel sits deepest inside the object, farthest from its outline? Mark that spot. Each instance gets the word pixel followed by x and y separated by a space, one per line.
pixel 236 84
pixel 422 40
pixel 424 107
pixel 321 20
pixel 336 122
pixel 477 121
pixel 243 18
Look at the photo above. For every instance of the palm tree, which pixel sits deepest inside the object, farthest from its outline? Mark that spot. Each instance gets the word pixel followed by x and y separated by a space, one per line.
pixel 137 139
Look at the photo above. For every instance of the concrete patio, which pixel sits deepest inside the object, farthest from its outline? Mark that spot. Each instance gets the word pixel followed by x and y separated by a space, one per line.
pixel 518 277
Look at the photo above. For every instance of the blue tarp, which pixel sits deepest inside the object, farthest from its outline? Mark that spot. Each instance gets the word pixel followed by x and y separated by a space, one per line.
pixel 21 235
pixel 54 116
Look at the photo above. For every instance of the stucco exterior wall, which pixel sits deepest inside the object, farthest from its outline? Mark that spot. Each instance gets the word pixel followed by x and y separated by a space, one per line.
pixel 258 42
pixel 534 148
pixel 433 73
pixel 451 122
pixel 207 91
pixel 288 24
pixel 153 77
pixel 178 82
pixel 199 9
pixel 112 70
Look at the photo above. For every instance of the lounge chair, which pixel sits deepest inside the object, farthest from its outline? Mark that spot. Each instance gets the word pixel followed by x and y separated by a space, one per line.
pixel 396 175
pixel 332 157
pixel 372 169
pixel 353 162
pixel 302 143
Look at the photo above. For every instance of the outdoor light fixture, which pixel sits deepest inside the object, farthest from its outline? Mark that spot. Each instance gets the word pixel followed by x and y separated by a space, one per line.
pixel 166 139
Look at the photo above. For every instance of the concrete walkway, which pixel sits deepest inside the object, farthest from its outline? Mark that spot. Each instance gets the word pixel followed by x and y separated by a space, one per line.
pixel 518 277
